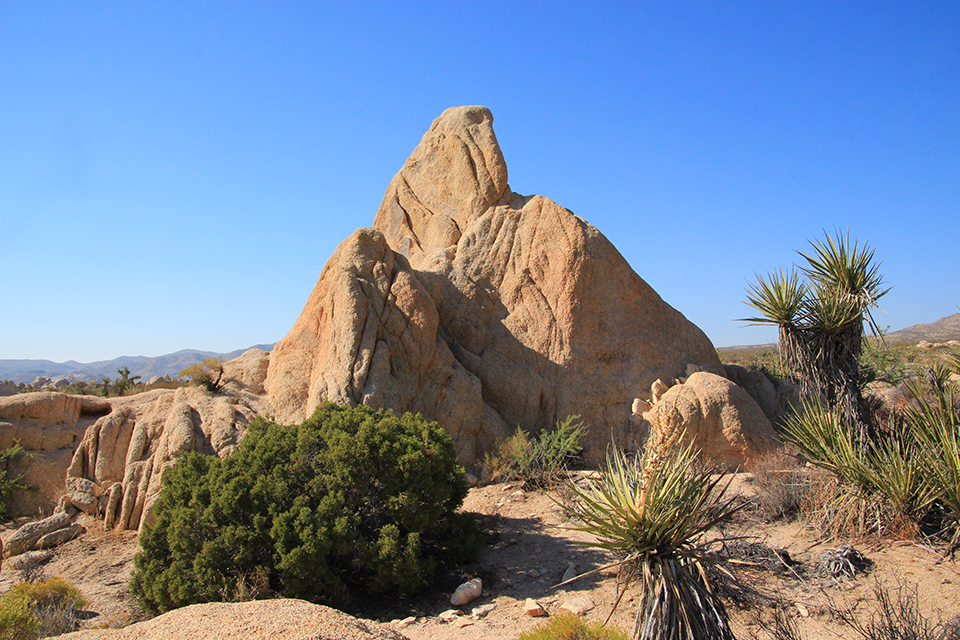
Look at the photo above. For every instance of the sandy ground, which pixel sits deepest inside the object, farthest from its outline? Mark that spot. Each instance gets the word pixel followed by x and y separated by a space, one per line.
pixel 529 552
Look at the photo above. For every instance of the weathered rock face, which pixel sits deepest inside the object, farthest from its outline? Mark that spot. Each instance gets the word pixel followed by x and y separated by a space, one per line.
pixel 777 397
pixel 49 426
pixel 480 308
pixel 276 619
pixel 117 468
pixel 721 419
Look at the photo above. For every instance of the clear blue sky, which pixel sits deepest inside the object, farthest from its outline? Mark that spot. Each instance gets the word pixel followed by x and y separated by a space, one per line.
pixel 176 176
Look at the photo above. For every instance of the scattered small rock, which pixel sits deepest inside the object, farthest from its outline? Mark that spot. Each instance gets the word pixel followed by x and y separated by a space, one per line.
pixel 28 560
pixel 450 615
pixel 533 609
pixel 406 622
pixel 482 611
pixel 578 606
pixel 467 592
pixel 533 573
pixel 570 573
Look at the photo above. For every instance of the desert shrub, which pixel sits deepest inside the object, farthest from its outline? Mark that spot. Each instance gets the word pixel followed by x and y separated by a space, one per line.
pixel 207 373
pixel 652 512
pixel 781 484
pixel 881 361
pixel 352 499
pixel 897 616
pixel 568 626
pixel 9 485
pixel 40 609
pixel 541 461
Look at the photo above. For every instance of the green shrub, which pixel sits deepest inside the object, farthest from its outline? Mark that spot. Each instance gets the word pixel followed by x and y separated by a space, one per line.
pixel 537 462
pixel 39 609
pixel 207 373
pixel 352 499
pixel 9 485
pixel 568 626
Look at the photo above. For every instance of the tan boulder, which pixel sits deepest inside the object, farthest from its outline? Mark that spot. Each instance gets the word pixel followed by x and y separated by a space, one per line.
pixel 117 468
pixel 777 397
pixel 722 420
pixel 276 619
pixel 49 426
pixel 481 308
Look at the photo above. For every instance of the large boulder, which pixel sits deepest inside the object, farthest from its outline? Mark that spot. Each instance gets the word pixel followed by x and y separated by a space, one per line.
pixel 480 308
pixel 277 619
pixel 49 426
pixel 719 417
pixel 778 398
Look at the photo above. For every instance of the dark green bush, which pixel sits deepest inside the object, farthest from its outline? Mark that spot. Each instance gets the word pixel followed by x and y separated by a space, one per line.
pixel 9 485
pixel 352 499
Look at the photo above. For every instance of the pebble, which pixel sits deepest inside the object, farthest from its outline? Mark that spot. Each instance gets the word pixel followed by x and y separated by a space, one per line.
pixel 482 611
pixel 578 606
pixel 533 609
pixel 467 592
pixel 406 622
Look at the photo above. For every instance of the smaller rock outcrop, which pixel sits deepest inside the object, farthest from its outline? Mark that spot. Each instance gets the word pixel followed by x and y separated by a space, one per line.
pixel 49 426
pixel 777 397
pixel 279 619
pixel 718 416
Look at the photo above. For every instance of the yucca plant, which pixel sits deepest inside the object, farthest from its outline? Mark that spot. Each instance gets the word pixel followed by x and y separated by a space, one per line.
pixel 821 323
pixel 882 488
pixel 652 513
pixel 780 299
pixel 936 424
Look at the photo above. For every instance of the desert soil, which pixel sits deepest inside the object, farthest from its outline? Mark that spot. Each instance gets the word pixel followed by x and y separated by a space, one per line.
pixel 529 551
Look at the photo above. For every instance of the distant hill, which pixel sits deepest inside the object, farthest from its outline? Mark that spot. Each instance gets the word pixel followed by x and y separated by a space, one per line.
pixel 940 331
pixel 170 364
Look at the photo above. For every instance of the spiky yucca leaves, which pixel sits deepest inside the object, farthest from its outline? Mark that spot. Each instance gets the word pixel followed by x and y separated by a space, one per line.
pixel 936 425
pixel 652 512
pixel 780 300
pixel 882 489
pixel 821 323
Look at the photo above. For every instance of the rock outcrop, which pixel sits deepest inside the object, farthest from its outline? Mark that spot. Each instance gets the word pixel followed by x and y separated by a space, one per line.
pixel 777 397
pixel 49 426
pixel 721 419
pixel 279 619
pixel 117 468
pixel 480 308
pixel 111 453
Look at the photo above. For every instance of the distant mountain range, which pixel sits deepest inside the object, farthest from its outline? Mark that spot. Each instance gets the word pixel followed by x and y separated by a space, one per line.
pixel 942 330
pixel 170 364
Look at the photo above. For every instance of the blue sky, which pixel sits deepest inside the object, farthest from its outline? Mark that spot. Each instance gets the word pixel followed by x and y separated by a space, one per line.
pixel 176 176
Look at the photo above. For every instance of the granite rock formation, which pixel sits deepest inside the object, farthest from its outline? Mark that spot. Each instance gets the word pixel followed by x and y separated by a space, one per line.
pixel 480 308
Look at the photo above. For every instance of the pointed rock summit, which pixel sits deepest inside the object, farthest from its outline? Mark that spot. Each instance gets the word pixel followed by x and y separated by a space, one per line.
pixel 480 308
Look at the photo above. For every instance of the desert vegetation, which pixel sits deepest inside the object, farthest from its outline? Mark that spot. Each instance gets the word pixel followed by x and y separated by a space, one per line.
pixel 40 608
pixel 540 461
pixel 350 501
